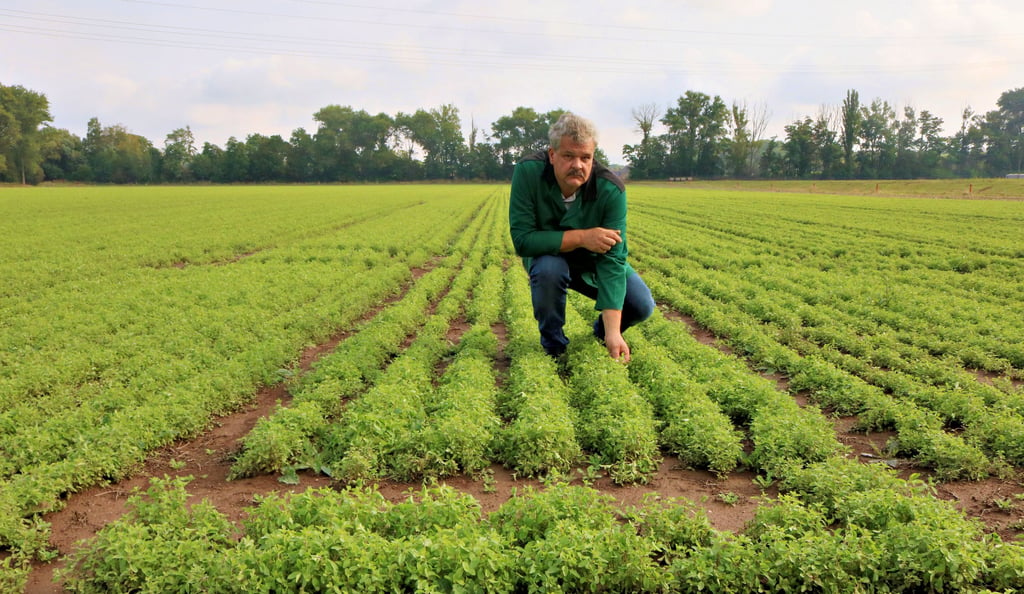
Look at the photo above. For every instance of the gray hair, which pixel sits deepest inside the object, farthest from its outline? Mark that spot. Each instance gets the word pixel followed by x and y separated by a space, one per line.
pixel 579 130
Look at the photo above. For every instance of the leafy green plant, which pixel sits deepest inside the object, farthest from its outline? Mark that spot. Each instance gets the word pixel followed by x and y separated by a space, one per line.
pixel 133 553
pixel 728 498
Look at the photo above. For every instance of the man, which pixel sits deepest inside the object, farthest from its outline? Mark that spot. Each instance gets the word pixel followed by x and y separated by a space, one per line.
pixel 567 217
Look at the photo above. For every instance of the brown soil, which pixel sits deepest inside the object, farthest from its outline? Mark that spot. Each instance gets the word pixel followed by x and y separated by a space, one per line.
pixel 730 502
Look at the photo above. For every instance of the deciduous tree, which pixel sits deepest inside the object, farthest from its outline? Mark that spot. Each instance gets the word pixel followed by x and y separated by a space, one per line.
pixel 851 130
pixel 22 112
pixel 1006 131
pixel 115 155
pixel 523 132
pixel 179 150
pixel 438 132
pixel 647 159
pixel 696 133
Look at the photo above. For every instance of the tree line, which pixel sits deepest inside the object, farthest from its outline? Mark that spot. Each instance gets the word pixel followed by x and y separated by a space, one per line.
pixel 703 137
pixel 855 140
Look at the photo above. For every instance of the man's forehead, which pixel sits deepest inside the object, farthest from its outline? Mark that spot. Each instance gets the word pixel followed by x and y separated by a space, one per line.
pixel 568 145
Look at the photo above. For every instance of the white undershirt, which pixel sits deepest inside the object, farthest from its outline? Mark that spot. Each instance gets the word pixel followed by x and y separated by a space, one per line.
pixel 568 200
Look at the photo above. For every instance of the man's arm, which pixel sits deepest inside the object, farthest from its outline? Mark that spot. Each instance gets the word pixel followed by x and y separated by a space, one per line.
pixel 617 347
pixel 596 239
pixel 611 276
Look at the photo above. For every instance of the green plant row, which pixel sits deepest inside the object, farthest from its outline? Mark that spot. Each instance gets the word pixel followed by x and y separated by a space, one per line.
pixel 485 305
pixel 379 433
pixel 540 436
pixel 87 338
pixel 58 237
pixel 966 330
pixel 404 426
pixel 376 435
pixel 988 414
pixel 461 414
pixel 785 435
pixel 914 329
pixel 105 435
pixel 160 328
pixel 283 441
pixel 85 335
pixel 462 419
pixel 693 427
pixel 919 431
pixel 826 245
pixel 977 228
pixel 941 316
pixel 614 421
pixel 998 430
pixel 841 527
pixel 285 438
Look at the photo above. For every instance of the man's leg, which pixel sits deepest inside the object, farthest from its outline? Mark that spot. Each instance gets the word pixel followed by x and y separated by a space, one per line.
pixel 549 279
pixel 637 307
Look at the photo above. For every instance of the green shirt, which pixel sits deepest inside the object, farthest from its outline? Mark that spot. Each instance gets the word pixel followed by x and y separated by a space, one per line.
pixel 538 218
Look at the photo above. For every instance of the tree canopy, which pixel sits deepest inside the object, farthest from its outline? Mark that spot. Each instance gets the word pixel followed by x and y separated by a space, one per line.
pixel 703 136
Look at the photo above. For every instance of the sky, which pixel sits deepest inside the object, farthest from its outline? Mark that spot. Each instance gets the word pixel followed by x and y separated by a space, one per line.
pixel 236 67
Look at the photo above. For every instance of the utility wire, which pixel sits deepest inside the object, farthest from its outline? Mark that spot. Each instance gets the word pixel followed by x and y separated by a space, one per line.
pixel 313 47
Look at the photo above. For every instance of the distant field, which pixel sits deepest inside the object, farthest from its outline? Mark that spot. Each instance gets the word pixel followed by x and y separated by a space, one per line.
pixel 995 188
pixel 797 331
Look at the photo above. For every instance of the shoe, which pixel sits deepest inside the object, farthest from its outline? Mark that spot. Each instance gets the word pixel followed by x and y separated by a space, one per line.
pixel 555 354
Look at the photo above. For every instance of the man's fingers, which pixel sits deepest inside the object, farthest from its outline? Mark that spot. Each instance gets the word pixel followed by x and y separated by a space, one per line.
pixel 601 240
pixel 622 356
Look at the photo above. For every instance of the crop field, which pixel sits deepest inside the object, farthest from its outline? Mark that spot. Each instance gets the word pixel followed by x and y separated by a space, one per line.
pixel 854 362
pixel 971 189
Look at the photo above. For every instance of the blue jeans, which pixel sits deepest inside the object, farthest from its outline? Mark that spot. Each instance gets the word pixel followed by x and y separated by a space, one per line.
pixel 550 279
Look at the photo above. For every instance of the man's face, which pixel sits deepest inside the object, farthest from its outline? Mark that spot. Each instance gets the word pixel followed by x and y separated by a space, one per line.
pixel 572 162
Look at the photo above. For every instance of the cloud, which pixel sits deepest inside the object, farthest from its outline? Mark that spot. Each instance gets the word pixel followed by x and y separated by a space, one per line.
pixel 256 81
pixel 218 122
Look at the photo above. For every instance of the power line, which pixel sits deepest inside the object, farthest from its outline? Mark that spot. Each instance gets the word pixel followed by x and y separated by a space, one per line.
pixel 787 37
pixel 574 32
pixel 312 47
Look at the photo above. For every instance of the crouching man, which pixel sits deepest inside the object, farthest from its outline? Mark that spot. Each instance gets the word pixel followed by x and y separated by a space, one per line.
pixel 567 217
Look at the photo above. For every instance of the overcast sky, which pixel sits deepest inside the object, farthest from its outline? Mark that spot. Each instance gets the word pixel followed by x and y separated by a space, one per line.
pixel 235 67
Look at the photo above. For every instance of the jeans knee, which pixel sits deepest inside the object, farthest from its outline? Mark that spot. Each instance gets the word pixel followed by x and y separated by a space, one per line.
pixel 549 271
pixel 646 308
pixel 640 300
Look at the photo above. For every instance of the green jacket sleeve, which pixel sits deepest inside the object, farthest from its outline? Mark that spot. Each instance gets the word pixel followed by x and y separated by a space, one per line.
pixel 611 268
pixel 529 239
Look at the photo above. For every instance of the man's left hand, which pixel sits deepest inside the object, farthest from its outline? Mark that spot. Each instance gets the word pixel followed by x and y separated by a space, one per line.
pixel 617 347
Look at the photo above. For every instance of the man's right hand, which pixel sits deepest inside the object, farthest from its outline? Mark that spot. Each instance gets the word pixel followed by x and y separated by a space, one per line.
pixel 596 239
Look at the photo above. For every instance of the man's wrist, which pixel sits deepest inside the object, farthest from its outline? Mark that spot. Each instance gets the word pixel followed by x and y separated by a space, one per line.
pixel 571 239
